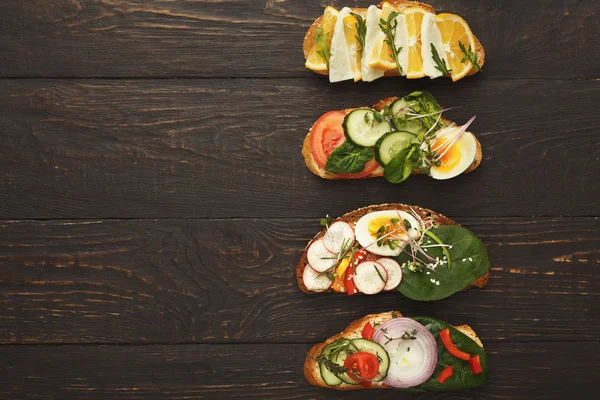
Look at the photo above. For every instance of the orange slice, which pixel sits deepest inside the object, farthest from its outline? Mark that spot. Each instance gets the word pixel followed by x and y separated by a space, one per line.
pixel 414 18
pixel 315 61
pixel 454 29
pixel 382 56
pixel 351 33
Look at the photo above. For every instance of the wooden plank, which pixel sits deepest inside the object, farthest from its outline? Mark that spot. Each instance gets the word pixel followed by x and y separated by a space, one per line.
pixel 196 148
pixel 232 38
pixel 232 281
pixel 268 371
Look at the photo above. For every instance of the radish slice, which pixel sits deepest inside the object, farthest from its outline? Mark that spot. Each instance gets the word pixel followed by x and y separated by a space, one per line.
pixel 338 234
pixel 370 277
pixel 319 258
pixel 394 272
pixel 315 281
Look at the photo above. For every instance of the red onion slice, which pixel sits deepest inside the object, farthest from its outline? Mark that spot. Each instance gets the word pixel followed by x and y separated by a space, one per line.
pixel 408 368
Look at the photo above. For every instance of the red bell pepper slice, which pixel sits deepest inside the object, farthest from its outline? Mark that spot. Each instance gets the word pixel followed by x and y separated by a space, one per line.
pixel 451 347
pixel 367 331
pixel 475 365
pixel 445 374
pixel 349 285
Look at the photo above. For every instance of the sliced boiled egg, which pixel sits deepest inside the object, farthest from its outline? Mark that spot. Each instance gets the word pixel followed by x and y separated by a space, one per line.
pixel 386 225
pixel 457 156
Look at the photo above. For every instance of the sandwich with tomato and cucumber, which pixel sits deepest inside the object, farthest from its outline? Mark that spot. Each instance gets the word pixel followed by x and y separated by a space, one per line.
pixel 396 138
pixel 387 350
pixel 417 252
pixel 393 38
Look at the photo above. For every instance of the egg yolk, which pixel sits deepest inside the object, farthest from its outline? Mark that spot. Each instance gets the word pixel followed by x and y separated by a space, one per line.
pixel 451 158
pixel 376 223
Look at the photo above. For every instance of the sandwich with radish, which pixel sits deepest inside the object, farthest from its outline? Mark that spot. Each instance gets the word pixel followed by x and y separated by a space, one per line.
pixel 417 252
pixel 390 351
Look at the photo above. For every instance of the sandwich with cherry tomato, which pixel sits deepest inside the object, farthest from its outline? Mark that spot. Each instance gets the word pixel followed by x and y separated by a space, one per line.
pixel 387 350
pixel 396 138
pixel 393 247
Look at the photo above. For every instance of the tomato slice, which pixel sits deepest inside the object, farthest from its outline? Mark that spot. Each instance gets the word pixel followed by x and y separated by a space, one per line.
pixel 362 366
pixel 326 135
pixel 367 331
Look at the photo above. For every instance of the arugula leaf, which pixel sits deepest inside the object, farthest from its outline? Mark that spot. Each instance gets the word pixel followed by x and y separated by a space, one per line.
pixel 389 28
pixel 321 39
pixel 469 262
pixel 469 55
pixel 361 29
pixel 462 377
pixel 348 158
pixel 440 64
pixel 401 166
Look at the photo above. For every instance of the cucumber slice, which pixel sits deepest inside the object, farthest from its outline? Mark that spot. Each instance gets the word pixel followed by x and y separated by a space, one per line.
pixel 391 144
pixel 361 127
pixel 400 120
pixel 329 377
pixel 357 345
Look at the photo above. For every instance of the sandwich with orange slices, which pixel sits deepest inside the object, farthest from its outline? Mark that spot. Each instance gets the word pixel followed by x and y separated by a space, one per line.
pixel 396 138
pixel 394 38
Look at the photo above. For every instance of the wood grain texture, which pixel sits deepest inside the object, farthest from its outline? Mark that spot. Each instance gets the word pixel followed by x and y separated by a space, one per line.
pixel 268 371
pixel 231 148
pixel 232 281
pixel 215 38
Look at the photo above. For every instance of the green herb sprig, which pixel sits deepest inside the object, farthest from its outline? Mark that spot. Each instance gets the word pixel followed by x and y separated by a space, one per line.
pixel 361 29
pixel 440 64
pixel 321 39
pixel 389 28
pixel 469 55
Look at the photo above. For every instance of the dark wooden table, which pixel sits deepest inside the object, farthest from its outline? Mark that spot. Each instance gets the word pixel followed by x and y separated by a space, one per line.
pixel 154 202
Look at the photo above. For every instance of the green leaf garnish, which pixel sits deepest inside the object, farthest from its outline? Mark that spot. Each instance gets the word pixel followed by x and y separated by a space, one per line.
pixel 469 55
pixel 440 64
pixel 321 40
pixel 389 28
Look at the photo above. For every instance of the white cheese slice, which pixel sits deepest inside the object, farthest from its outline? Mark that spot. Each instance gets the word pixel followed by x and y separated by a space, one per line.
pixel 340 68
pixel 401 41
pixel 430 34
pixel 373 34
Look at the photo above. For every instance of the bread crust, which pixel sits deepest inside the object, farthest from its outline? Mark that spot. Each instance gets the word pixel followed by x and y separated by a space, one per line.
pixel 355 215
pixel 312 165
pixel 401 5
pixel 311 367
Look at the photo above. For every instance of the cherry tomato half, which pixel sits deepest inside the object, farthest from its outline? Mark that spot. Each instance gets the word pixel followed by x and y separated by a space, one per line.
pixel 362 366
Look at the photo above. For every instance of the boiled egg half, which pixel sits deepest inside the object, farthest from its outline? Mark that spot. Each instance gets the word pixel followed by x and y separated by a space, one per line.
pixel 376 224
pixel 457 157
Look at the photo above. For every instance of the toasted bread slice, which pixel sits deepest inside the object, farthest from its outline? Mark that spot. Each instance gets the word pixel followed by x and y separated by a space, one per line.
pixel 401 5
pixel 353 216
pixel 312 165
pixel 311 366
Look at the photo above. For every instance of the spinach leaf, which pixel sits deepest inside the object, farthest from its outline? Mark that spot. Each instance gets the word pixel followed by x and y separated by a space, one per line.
pixel 426 104
pixel 348 158
pixel 469 262
pixel 462 377
pixel 401 166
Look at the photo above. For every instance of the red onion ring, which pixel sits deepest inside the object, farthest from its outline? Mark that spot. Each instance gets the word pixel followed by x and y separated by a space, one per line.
pixel 422 356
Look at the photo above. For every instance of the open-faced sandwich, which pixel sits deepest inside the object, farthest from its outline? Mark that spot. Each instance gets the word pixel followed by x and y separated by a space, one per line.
pixel 396 138
pixel 388 351
pixel 398 37
pixel 422 254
